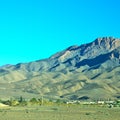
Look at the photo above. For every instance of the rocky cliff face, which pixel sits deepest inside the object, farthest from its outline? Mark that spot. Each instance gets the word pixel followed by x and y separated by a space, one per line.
pixel 75 71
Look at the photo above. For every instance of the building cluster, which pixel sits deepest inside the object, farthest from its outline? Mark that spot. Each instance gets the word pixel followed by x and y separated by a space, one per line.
pixel 111 103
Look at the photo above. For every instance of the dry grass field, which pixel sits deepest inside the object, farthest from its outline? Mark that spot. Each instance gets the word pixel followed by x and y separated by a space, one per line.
pixel 72 112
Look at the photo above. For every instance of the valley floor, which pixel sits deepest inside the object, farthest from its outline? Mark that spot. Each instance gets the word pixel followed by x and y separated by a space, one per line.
pixel 72 112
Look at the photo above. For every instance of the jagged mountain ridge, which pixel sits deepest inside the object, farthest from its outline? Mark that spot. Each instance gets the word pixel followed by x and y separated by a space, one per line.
pixel 73 73
pixel 73 55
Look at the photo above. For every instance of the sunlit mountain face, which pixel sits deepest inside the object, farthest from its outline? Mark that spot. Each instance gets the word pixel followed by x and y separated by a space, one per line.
pixel 86 72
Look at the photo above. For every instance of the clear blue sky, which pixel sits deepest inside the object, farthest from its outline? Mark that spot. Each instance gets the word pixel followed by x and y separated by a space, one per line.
pixel 35 29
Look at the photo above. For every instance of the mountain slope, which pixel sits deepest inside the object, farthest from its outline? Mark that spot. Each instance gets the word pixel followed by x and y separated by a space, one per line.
pixel 89 71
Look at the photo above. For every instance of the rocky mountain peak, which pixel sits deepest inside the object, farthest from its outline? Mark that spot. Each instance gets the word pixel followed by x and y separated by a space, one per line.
pixel 107 42
pixel 91 50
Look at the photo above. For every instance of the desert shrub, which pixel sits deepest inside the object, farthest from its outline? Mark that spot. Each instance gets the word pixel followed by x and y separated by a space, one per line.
pixel 33 101
pixel 87 113
pixel 14 103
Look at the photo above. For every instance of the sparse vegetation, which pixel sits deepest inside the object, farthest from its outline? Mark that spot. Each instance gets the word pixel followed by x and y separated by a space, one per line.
pixel 74 85
pixel 59 112
pixel 44 109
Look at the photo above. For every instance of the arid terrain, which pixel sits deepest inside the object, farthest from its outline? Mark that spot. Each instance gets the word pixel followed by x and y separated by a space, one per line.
pixel 86 73
pixel 89 71
pixel 71 112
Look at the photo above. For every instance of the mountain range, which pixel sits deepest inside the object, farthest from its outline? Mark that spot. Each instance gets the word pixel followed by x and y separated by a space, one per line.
pixel 86 72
